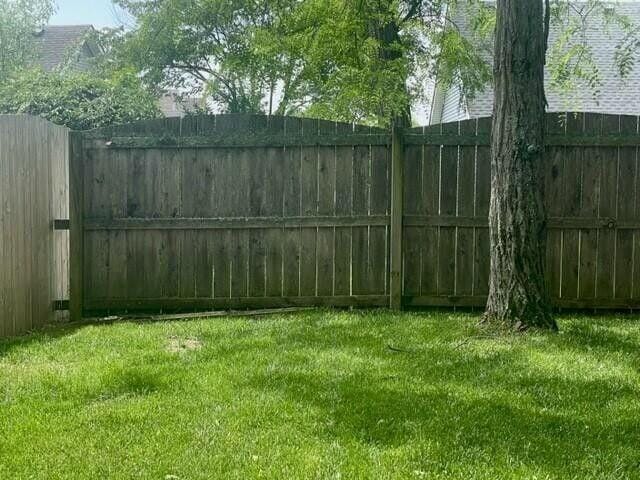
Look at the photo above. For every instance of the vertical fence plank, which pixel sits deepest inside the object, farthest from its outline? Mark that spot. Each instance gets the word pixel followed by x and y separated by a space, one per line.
pixel 605 278
pixel 481 210
pixel 222 192
pixel 447 207
pixel 590 199
pixel 9 216
pixel 361 206
pixel 326 207
pixel 397 213
pixel 5 239
pixel 413 204
pixel 292 204
pixel 309 208
pixel 76 221
pixel 570 207
pixel 257 172
pixel 344 207
pixel 380 205
pixel 431 181
pixel 465 208
pixel 625 208
pixel 554 197
pixel 274 207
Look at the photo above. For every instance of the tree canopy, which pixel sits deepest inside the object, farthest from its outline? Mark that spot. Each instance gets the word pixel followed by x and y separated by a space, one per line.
pixel 354 60
pixel 369 61
pixel 19 19
pixel 338 59
pixel 213 46
pixel 78 100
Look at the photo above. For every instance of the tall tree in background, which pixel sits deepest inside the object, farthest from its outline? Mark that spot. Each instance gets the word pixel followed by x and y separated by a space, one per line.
pixel 517 220
pixel 359 59
pixel 19 19
pixel 213 47
pixel 352 60
pixel 368 59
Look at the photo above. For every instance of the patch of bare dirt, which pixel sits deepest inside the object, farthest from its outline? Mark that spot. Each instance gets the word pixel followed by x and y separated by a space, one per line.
pixel 179 345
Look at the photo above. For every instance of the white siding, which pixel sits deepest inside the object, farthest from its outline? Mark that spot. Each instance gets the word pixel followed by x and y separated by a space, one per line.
pixel 453 109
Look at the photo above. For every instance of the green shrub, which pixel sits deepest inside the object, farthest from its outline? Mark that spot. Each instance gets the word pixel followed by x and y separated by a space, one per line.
pixel 78 100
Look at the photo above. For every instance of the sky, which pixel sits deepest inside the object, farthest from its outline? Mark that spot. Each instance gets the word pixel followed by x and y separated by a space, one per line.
pixel 99 13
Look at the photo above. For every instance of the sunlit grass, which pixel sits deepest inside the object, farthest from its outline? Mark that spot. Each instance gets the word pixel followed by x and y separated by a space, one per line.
pixel 322 395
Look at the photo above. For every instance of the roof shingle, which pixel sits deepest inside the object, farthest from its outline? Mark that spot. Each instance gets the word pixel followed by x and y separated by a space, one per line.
pixel 614 94
pixel 58 42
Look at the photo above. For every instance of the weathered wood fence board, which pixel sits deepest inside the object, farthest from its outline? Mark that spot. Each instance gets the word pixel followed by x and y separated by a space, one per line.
pixel 235 226
pixel 592 203
pixel 33 193
pixel 59 179
pixel 252 211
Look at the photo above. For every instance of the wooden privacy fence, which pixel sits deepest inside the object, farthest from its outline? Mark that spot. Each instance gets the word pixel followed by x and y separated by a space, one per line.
pixel 33 194
pixel 591 185
pixel 241 211
pixel 231 211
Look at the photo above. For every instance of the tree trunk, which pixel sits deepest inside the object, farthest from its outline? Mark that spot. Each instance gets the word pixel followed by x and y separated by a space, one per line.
pixel 517 293
pixel 388 36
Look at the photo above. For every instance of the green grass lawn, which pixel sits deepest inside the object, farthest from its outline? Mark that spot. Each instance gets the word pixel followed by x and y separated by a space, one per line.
pixel 320 395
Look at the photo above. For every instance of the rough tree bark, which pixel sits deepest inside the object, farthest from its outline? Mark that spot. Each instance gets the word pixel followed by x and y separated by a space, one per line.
pixel 517 293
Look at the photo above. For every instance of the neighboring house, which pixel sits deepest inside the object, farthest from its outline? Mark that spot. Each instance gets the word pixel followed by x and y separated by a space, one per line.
pixel 73 46
pixel 172 104
pixel 614 95
pixel 66 45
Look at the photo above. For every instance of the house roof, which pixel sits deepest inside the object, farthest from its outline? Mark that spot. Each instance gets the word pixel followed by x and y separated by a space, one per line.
pixel 175 104
pixel 57 42
pixel 613 95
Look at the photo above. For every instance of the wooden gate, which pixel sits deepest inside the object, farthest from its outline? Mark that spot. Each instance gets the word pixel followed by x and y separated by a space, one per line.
pixel 33 195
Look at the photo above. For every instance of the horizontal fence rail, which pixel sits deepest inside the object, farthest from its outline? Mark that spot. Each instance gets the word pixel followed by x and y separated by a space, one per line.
pixel 242 211
pixel 238 140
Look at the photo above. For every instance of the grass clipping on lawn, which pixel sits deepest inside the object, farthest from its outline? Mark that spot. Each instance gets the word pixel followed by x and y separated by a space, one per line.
pixel 322 395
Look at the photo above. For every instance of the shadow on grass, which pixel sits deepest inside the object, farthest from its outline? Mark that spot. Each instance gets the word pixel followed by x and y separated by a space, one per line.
pixel 472 400
pixel 473 405
pixel 600 336
pixel 46 335
pixel 127 382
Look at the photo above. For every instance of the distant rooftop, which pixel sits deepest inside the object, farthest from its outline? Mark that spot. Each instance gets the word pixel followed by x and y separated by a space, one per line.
pixel 613 95
pixel 57 42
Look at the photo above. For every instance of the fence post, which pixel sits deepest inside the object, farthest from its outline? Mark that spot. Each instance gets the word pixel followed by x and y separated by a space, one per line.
pixel 397 212
pixel 76 227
